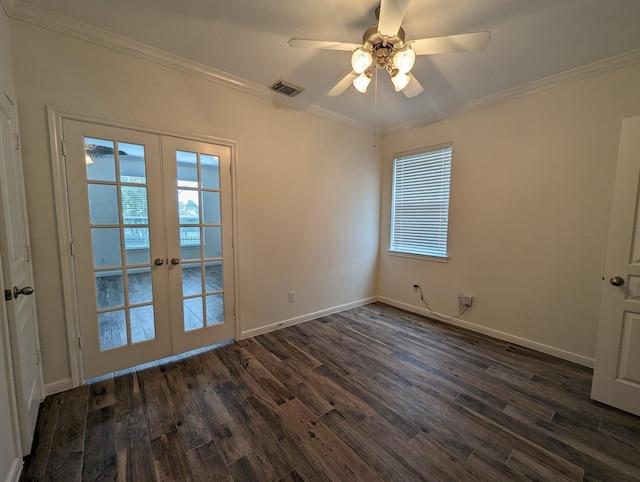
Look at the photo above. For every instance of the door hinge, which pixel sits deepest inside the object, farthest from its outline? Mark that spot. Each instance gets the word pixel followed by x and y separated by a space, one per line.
pixel 37 357
pixel 80 342
pixel 63 146
pixel 28 252
pixel 231 169
pixel 73 249
pixel 8 296
pixel 16 141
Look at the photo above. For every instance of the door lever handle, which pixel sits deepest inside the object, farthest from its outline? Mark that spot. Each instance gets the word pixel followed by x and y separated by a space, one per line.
pixel 27 290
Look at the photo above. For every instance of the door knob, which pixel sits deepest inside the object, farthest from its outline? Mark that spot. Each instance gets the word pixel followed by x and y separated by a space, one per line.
pixel 158 261
pixel 175 261
pixel 27 290
pixel 616 281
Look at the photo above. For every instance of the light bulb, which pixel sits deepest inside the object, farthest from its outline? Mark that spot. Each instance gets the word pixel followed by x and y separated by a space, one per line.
pixel 361 82
pixel 400 80
pixel 361 60
pixel 404 60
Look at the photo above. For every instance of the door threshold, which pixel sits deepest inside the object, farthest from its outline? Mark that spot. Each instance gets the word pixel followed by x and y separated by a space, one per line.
pixel 155 363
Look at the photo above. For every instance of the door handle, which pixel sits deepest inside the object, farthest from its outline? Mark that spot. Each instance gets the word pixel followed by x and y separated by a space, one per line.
pixel 27 290
pixel 158 261
pixel 175 261
pixel 617 281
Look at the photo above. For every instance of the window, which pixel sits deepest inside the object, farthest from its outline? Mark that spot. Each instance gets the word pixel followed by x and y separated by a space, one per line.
pixel 420 202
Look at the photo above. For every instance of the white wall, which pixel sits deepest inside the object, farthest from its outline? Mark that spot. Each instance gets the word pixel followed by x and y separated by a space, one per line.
pixel 308 188
pixel 531 191
pixel 10 455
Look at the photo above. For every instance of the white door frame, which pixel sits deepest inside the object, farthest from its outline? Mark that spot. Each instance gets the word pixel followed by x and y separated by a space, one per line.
pixel 55 117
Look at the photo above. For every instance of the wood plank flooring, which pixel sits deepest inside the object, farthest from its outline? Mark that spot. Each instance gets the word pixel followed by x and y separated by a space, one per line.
pixel 373 393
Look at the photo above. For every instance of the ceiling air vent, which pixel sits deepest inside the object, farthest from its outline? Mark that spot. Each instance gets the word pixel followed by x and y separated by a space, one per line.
pixel 286 89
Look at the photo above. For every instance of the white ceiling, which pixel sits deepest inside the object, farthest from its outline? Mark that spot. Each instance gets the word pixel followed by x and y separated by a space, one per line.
pixel 531 40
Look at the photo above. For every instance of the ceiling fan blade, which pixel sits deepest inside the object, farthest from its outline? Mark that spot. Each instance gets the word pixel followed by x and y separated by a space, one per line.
pixel 413 88
pixel 464 42
pixel 321 44
pixel 342 85
pixel 391 16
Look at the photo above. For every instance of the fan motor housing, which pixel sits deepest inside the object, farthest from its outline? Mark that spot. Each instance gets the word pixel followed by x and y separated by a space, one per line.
pixel 381 46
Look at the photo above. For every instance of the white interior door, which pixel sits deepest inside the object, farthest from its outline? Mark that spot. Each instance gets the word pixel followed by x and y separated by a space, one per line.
pixel 18 278
pixel 616 378
pixel 149 218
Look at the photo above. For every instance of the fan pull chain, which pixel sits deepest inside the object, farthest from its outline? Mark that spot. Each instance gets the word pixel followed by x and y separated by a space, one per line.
pixel 375 107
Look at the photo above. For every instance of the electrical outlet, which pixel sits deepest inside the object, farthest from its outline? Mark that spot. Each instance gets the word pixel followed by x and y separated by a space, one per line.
pixel 292 296
pixel 465 300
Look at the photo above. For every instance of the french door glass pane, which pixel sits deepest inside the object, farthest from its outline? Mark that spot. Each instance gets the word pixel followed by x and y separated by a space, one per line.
pixel 109 289
pixel 187 168
pixel 211 204
pixel 136 245
pixel 142 324
pixel 103 204
pixel 140 287
pixel 214 276
pixel 190 243
pixel 134 205
pixel 215 309
pixel 210 168
pixel 100 160
pixel 193 313
pixel 106 247
pixel 113 329
pixel 191 279
pixel 212 242
pixel 188 206
pixel 132 165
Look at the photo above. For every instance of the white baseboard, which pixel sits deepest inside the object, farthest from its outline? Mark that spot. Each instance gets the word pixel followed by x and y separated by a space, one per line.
pixel 58 386
pixel 534 345
pixel 14 473
pixel 308 317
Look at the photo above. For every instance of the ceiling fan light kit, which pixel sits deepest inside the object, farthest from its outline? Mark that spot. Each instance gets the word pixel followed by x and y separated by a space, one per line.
pixel 384 47
pixel 362 81
pixel 361 60
pixel 400 80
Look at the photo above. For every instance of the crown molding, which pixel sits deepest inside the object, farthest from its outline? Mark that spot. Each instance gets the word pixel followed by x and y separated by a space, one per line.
pixel 46 19
pixel 8 6
pixel 550 82
pixel 61 24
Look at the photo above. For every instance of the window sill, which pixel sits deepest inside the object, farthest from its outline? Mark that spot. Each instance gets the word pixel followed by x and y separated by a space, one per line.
pixel 422 257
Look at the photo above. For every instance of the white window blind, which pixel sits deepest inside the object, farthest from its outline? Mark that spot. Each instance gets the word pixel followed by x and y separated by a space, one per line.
pixel 420 202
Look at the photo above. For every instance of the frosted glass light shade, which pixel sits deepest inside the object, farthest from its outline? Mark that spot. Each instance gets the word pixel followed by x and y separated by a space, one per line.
pixel 404 60
pixel 400 80
pixel 361 82
pixel 361 60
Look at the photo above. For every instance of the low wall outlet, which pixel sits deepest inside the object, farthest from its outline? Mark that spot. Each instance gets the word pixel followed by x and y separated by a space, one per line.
pixel 465 300
pixel 292 296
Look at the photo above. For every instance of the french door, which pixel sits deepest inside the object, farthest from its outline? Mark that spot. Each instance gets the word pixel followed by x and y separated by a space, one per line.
pixel 151 223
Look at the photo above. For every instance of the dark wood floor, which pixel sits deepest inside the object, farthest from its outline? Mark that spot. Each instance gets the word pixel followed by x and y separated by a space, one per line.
pixel 373 393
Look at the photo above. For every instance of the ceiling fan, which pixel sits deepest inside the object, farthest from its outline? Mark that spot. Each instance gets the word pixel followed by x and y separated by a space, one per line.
pixel 383 46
